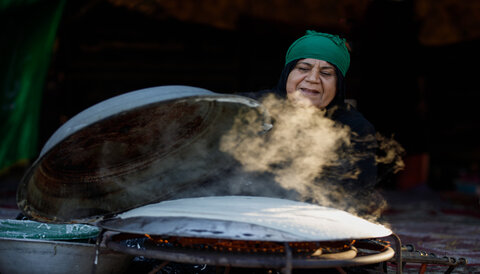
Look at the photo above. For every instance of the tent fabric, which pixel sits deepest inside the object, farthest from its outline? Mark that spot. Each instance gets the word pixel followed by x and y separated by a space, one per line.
pixel 28 30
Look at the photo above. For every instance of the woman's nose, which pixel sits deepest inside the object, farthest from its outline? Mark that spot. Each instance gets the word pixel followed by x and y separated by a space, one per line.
pixel 313 76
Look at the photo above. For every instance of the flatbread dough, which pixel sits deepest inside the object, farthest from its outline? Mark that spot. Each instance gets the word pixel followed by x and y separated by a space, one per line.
pixel 301 221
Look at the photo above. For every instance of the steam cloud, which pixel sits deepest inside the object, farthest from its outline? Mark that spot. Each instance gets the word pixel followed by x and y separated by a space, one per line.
pixel 302 144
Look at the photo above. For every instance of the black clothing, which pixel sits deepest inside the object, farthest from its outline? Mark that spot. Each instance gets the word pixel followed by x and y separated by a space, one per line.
pixel 364 145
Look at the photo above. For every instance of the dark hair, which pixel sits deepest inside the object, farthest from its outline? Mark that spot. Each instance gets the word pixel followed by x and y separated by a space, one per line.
pixel 281 91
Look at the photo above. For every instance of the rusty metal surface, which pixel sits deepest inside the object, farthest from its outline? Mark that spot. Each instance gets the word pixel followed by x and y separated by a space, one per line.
pixel 250 260
pixel 133 149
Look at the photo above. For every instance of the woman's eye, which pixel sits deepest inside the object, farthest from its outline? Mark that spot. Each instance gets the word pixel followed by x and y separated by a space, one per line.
pixel 326 73
pixel 302 69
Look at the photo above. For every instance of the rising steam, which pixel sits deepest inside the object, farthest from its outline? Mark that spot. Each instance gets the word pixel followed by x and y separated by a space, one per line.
pixel 302 146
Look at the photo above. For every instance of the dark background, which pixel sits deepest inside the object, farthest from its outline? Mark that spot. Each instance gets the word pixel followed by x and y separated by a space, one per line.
pixel 422 93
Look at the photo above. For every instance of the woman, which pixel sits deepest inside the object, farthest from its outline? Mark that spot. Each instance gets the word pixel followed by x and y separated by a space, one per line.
pixel 314 76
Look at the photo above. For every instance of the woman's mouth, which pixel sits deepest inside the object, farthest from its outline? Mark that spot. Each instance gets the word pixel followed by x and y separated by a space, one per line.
pixel 309 92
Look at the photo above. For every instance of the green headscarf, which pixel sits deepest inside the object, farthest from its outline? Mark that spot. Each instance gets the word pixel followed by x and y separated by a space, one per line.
pixel 322 46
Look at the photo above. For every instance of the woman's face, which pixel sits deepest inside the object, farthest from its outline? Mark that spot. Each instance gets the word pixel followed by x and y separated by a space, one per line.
pixel 312 82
